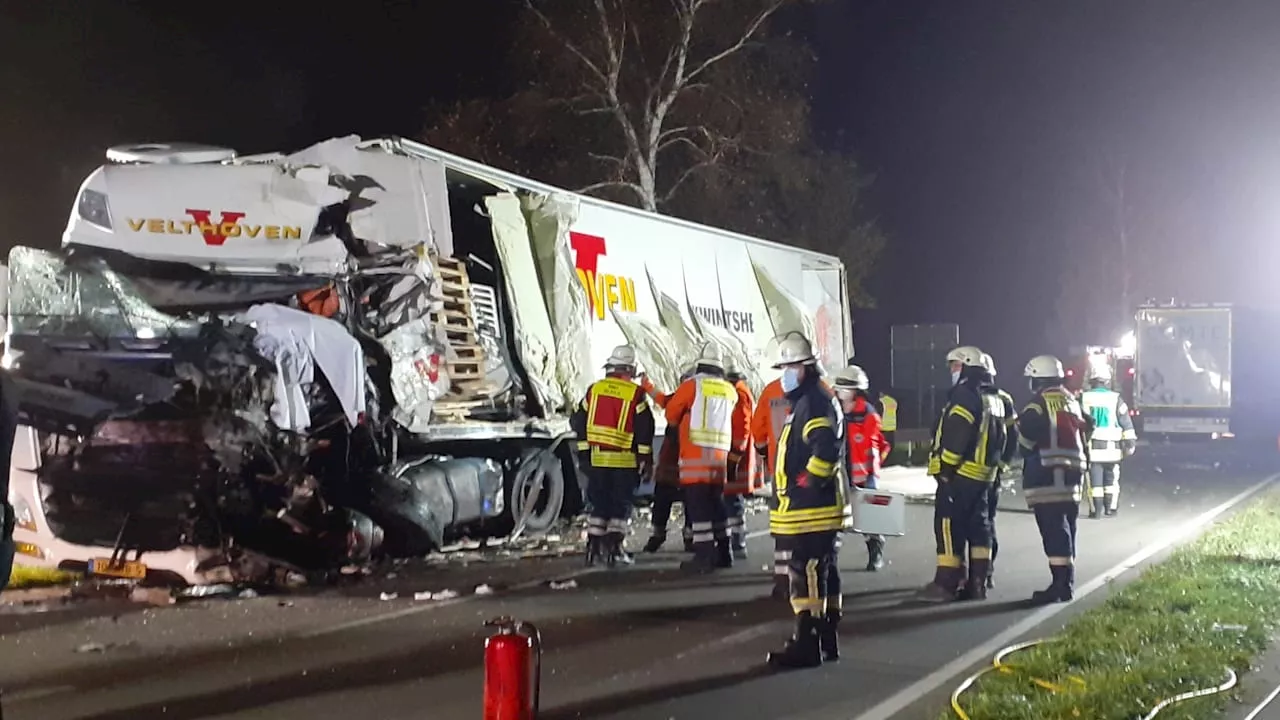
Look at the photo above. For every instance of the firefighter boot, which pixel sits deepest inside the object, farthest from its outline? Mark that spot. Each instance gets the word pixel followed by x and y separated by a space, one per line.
pixel 991 576
pixel 703 560
pixel 1060 590
pixel 803 649
pixel 595 549
pixel 739 545
pixel 875 553
pixel 617 554
pixel 654 544
pixel 724 554
pixel 829 636
pixel 944 588
pixel 1095 508
pixel 781 588
pixel 979 575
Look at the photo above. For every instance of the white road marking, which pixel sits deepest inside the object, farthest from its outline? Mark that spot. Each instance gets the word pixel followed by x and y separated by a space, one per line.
pixel 1257 710
pixel 426 607
pixel 909 695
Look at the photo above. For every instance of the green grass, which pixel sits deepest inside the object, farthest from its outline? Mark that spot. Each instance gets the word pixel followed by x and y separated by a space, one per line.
pixel 1156 637
pixel 23 577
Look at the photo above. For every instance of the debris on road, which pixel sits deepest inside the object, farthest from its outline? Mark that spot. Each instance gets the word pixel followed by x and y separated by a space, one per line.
pixel 563 584
pixel 388 596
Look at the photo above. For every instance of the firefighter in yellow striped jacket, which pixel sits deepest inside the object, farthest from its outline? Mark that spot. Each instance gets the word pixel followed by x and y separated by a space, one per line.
pixel 615 427
pixel 968 443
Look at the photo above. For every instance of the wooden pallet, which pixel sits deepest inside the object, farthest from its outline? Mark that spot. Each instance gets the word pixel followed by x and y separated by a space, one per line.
pixel 456 318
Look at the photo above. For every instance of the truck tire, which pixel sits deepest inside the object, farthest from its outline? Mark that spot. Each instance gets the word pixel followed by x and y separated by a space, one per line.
pixel 540 479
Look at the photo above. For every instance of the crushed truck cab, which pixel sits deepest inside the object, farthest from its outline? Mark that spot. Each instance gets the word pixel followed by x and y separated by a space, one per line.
pixel 255 367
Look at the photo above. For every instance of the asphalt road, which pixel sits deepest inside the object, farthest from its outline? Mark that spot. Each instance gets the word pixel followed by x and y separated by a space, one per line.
pixel 642 643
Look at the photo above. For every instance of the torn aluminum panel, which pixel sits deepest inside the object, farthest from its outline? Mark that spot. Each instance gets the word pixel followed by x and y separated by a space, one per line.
pixel 787 312
pixel 418 375
pixel 549 218
pixel 536 339
pixel 395 200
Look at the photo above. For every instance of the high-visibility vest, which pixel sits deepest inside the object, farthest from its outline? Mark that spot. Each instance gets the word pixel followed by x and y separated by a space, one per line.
pixel 888 419
pixel 703 407
pixel 611 406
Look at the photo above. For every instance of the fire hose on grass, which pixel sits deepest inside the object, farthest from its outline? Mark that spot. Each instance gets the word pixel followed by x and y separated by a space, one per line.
pixel 998 665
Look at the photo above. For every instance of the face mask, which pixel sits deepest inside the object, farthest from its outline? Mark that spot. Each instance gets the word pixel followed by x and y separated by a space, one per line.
pixel 790 379
pixel 955 377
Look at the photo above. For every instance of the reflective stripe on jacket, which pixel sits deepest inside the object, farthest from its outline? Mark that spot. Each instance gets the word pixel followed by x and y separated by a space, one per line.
pixel 703 407
pixel 746 479
pixel 809 481
pixel 867 444
pixel 614 423
pixel 1052 429
pixel 970 437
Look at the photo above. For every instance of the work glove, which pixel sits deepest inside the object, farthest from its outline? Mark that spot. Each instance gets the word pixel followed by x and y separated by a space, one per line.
pixel 1129 447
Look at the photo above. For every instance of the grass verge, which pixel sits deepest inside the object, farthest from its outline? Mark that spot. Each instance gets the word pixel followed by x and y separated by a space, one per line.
pixel 1213 604
pixel 23 577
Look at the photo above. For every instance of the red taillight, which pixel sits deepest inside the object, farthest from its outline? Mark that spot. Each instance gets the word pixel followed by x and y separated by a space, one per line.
pixel 1070 373
pixel 1130 371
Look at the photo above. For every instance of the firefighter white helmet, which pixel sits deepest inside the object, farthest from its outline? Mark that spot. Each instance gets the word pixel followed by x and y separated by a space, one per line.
pixel 966 355
pixel 795 349
pixel 1044 366
pixel 852 377
pixel 711 355
pixel 622 356
pixel 989 364
pixel 1099 371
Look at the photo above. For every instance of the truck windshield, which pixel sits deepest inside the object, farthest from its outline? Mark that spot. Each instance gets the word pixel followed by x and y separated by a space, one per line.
pixel 49 298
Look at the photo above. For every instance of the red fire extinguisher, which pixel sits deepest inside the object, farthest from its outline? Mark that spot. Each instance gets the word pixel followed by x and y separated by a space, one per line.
pixel 512 670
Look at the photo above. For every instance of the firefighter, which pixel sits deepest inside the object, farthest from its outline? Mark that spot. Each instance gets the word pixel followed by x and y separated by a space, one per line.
pixel 1006 457
pixel 1052 431
pixel 615 426
pixel 666 478
pixel 867 444
pixel 967 444
pixel 811 508
pixel 1113 439
pixel 711 439
pixel 745 480
pixel 888 420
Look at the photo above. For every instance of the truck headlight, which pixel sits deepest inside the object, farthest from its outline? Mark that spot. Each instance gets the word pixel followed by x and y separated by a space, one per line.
pixel 93 208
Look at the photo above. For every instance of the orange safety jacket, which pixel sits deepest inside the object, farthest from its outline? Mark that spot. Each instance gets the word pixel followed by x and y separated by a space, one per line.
pixel 615 424
pixel 703 407
pixel 867 444
pixel 748 475
pixel 770 416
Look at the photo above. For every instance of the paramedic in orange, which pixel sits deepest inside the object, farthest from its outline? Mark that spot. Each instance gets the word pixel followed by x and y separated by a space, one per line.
pixel 868 446
pixel 703 408
pixel 666 477
pixel 614 424
pixel 745 480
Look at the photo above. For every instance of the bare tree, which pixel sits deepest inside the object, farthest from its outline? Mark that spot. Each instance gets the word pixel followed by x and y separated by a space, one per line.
pixel 635 66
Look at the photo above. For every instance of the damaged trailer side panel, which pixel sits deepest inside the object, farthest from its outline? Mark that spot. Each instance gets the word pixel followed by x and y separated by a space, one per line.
pixel 362 348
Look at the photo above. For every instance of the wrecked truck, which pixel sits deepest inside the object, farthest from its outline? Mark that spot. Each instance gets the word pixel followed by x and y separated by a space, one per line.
pixel 259 367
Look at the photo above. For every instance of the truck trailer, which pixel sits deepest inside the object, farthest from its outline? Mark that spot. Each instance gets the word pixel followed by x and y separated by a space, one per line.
pixel 242 367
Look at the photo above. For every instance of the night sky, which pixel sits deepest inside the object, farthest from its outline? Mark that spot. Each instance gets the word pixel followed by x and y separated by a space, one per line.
pixel 985 123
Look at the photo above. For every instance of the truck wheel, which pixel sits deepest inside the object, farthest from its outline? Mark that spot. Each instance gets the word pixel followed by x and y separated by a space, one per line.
pixel 536 496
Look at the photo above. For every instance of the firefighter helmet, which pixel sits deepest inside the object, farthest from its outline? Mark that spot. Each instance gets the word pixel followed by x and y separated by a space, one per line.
pixel 794 349
pixel 852 377
pixel 711 355
pixel 1099 372
pixel 989 364
pixel 1044 366
pixel 966 355
pixel 622 356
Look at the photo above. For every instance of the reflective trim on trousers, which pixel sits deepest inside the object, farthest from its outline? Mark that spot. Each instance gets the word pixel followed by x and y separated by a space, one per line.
pixel 597 526
pixel 703 532
pixel 617 526
pixel 781 558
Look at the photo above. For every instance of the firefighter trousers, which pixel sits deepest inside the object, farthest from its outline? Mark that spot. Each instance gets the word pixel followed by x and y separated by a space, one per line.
pixel 993 503
pixel 704 506
pixel 960 523
pixel 665 496
pixel 814 573
pixel 1104 488
pixel 735 509
pixel 610 492
pixel 1057 524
